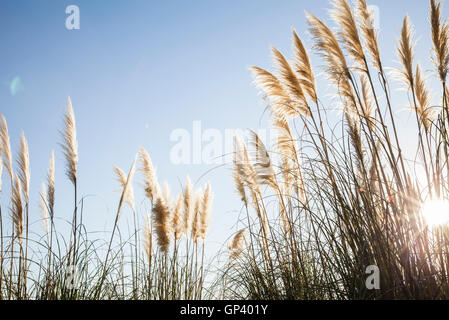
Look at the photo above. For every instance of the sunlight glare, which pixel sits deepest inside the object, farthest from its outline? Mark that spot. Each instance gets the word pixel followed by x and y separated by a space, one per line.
pixel 436 212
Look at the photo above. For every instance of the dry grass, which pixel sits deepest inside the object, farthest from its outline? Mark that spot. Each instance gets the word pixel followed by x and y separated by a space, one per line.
pixel 339 196
pixel 349 201
pixel 171 269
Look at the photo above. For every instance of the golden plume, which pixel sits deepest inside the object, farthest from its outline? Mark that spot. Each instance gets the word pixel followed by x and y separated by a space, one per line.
pixel 189 206
pixel 237 244
pixel 349 34
pixel 206 207
pixel 326 44
pixel 369 33
pixel 152 188
pixel 304 68
pixel 250 178
pixel 356 142
pixel 368 104
pixel 162 223
pixel 1 170
pixel 6 146
pixel 23 162
pixel 178 218
pixel 17 207
pixel 238 173
pixel 196 223
pixel 70 145
pixel 273 89
pixel 262 162
pixel 126 181
pixel 440 39
pixel 166 194
pixel 125 190
pixel 51 185
pixel 291 168
pixel 425 112
pixel 405 53
pixel 44 208
pixel 291 83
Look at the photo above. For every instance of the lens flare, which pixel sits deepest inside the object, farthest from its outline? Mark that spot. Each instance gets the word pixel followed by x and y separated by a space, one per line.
pixel 436 212
pixel 15 86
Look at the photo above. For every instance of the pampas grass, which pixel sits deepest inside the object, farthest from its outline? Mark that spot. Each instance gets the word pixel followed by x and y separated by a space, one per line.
pixel 178 218
pixel 17 208
pixel 126 181
pixel 440 39
pixel 162 224
pixel 338 197
pixel 70 145
pixel 51 185
pixel 169 268
pixel 360 205
pixel 236 246
pixel 6 147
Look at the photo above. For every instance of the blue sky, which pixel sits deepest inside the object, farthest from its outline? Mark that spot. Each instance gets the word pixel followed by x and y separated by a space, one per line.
pixel 137 70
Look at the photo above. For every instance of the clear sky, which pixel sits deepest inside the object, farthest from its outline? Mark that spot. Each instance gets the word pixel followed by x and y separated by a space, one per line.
pixel 137 70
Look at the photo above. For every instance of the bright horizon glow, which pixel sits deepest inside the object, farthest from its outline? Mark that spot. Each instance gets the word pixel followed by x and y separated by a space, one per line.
pixel 436 212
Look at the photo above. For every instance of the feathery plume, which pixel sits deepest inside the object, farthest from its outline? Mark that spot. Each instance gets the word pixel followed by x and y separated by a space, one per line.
pixel 166 194
pixel 326 44
pixel 178 219
pixel 405 53
pixel 368 104
pixel 440 39
pixel 290 82
pixel 51 185
pixel 126 180
pixel 239 171
pixel 425 112
pixel 249 176
pixel 369 33
pixel 70 145
pixel 196 223
pixel 285 144
pixel 17 207
pixel 287 148
pixel 44 208
pixel 6 146
pixel 349 34
pixel 189 206
pixel 1 170
pixel 206 207
pixel 273 89
pixel 125 196
pixel 356 142
pixel 162 223
pixel 263 167
pixel 237 244
pixel 23 162
pixel 151 183
pixel 304 68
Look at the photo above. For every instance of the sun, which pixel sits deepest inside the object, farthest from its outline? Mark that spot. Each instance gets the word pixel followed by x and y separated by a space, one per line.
pixel 436 212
